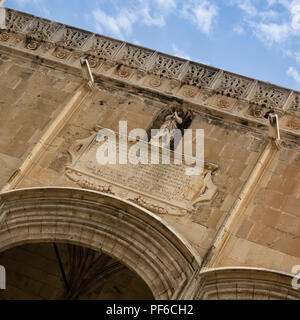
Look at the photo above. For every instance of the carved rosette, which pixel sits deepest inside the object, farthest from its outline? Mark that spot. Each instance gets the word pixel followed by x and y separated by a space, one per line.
pixel 93 62
pixel 155 82
pixel 223 103
pixel 61 53
pixel 122 72
pixel 4 36
pixel 257 111
pixel 189 92
pixel 293 123
pixel 32 44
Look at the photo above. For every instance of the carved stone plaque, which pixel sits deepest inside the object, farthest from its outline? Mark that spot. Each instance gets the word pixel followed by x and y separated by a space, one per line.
pixel 160 188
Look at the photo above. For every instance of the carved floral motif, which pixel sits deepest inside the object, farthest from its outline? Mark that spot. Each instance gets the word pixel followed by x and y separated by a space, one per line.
pixel 257 111
pixel 189 92
pixel 149 206
pixel 93 62
pixel 4 36
pixel 87 183
pixel 223 103
pixel 293 123
pixel 61 53
pixel 32 44
pixel 155 82
pixel 122 72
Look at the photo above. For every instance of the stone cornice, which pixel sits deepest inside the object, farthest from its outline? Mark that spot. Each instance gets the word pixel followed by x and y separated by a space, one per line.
pixel 193 82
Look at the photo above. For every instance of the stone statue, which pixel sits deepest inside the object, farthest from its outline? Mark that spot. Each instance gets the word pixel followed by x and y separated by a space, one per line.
pixel 173 121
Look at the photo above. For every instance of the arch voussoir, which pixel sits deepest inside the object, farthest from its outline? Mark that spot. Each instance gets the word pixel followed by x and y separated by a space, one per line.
pixel 128 233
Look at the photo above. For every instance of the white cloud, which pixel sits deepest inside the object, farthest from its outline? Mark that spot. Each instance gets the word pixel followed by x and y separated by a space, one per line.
pixel 271 32
pixel 246 6
pixel 292 72
pixel 179 53
pixel 202 13
pixel 115 25
pixel 239 30
pixel 149 20
pixel 147 12
pixel 295 14
pixel 297 56
pixel 167 4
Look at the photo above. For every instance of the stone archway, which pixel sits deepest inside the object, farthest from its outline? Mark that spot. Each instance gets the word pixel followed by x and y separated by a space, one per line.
pixel 134 236
pixel 245 283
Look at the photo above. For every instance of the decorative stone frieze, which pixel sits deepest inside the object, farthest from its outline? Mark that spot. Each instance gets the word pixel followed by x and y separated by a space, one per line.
pixel 233 86
pixel 134 56
pixel 167 66
pixel 104 48
pixel 105 55
pixel 295 103
pixel 199 75
pixel 17 21
pixel 269 96
pixel 74 38
pixel 42 30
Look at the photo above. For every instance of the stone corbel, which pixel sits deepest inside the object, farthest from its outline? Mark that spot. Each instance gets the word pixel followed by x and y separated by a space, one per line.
pixel 208 190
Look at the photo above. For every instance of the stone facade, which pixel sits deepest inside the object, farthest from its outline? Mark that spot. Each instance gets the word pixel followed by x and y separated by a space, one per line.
pixel 246 218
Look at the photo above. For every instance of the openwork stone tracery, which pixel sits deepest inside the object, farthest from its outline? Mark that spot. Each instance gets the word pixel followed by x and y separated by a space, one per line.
pixel 107 52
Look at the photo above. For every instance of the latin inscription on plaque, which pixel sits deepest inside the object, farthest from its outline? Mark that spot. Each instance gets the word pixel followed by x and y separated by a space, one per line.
pixel 161 188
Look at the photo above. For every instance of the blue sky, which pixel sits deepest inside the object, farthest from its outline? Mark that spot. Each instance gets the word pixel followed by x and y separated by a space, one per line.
pixel 255 38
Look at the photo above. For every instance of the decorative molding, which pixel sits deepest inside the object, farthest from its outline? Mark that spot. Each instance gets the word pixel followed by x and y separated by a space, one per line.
pixel 17 21
pixel 97 221
pixel 199 75
pixel 42 30
pixel 86 172
pixel 295 103
pixel 73 38
pixel 293 123
pixel 104 48
pixel 167 66
pixel 269 96
pixel 233 86
pixel 135 57
pixel 47 38
pixel 4 36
